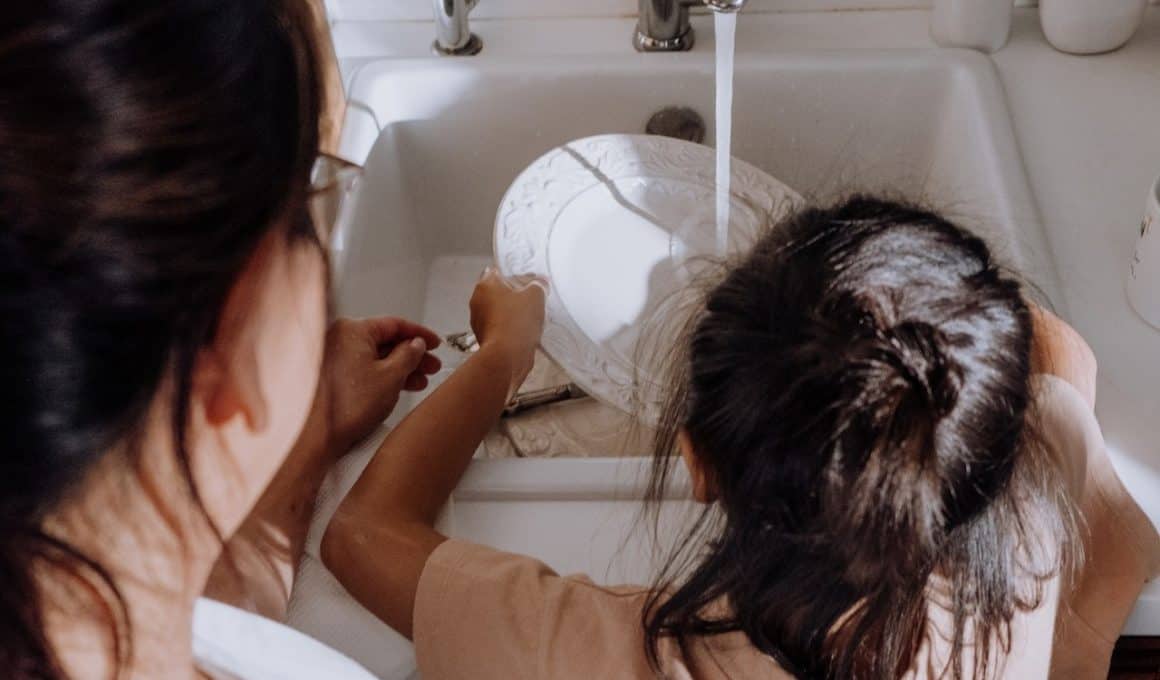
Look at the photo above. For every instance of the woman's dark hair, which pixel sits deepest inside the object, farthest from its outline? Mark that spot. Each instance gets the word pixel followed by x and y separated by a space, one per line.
pixel 146 148
pixel 858 389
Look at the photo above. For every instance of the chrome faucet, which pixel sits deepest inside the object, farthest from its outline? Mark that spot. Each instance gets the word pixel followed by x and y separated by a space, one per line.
pixel 664 24
pixel 453 36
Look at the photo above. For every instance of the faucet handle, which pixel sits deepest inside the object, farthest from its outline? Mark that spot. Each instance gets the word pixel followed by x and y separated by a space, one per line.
pixel 453 36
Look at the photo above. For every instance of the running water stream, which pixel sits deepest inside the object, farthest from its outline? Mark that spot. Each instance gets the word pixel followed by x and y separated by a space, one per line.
pixel 725 25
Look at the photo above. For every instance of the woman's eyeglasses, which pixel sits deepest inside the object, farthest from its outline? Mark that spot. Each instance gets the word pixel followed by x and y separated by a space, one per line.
pixel 331 182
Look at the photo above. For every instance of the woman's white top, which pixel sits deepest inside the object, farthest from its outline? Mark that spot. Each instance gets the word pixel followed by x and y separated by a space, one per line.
pixel 232 644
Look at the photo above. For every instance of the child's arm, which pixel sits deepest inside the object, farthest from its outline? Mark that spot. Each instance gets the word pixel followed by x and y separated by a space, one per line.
pixel 383 532
pixel 1059 350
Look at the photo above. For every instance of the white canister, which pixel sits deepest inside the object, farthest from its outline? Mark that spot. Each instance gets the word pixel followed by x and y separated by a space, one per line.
pixel 1144 273
pixel 1090 26
pixel 979 24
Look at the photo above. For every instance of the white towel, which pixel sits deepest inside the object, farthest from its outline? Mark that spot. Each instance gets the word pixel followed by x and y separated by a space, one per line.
pixel 321 607
pixel 232 644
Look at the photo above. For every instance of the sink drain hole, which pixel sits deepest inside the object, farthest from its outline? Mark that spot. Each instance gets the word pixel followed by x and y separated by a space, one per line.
pixel 679 122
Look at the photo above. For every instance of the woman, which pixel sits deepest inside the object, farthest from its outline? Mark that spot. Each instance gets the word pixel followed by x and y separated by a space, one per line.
pixel 892 446
pixel 163 312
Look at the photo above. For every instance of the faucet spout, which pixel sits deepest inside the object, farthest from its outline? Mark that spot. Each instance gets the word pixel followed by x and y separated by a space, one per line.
pixel 453 36
pixel 663 25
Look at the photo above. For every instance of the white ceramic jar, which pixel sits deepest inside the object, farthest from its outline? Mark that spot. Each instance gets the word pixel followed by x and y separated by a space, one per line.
pixel 978 24
pixel 1090 26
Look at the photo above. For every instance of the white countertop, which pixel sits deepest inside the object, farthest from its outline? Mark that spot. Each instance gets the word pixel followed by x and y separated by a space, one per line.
pixel 1089 131
pixel 1090 134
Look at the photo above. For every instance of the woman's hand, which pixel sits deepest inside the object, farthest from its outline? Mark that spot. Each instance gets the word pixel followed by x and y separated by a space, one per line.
pixel 367 364
pixel 507 317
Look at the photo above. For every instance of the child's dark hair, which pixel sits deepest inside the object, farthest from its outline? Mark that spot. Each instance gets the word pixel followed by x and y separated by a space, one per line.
pixel 858 389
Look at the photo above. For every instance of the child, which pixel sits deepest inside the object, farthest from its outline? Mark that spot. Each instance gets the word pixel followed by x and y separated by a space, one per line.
pixel 865 398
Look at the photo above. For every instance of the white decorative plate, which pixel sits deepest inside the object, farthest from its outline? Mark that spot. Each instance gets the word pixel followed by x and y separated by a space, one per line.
pixel 616 223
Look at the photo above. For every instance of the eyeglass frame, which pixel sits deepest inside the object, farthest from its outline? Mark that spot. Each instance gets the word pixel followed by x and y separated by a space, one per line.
pixel 332 182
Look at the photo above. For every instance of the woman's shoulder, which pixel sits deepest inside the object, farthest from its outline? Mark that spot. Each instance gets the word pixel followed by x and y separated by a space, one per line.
pixel 233 644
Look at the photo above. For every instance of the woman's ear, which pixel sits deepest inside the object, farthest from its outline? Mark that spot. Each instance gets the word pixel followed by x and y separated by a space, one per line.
pixel 228 391
pixel 228 425
pixel 254 382
pixel 704 487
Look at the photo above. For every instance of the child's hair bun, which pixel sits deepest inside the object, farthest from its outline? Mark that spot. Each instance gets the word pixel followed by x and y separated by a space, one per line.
pixel 924 364
pixel 888 479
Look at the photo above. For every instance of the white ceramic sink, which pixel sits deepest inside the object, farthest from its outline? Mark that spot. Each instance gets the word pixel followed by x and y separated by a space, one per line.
pixel 443 138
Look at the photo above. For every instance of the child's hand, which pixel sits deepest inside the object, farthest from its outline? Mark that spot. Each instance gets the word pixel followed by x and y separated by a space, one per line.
pixel 507 316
